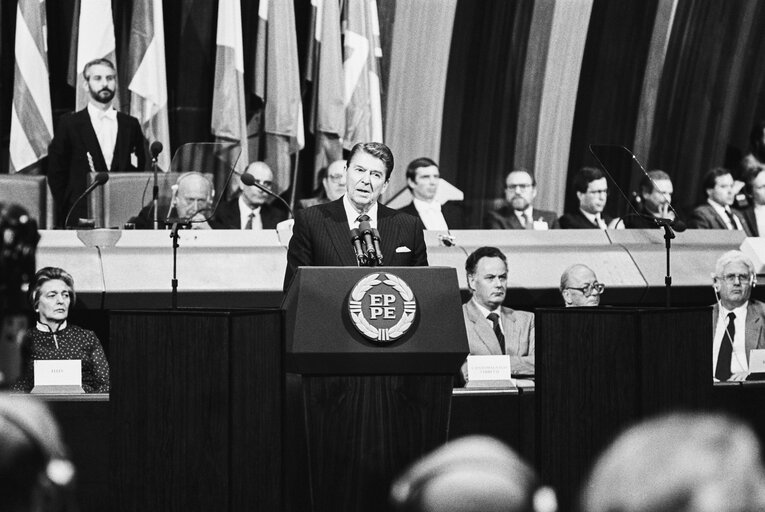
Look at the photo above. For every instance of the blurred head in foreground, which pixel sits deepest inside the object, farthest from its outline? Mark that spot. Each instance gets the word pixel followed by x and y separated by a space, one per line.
pixel 680 462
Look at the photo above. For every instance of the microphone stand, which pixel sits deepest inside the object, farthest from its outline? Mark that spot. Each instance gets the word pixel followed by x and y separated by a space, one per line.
pixel 177 225
pixel 669 234
pixel 155 191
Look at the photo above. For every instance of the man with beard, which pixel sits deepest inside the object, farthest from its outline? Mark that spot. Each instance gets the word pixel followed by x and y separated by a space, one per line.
pixel 95 139
pixel 520 191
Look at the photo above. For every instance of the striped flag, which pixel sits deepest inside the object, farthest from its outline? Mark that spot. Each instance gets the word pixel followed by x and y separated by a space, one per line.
pixel 146 66
pixel 361 51
pixel 325 70
pixel 94 37
pixel 31 117
pixel 277 83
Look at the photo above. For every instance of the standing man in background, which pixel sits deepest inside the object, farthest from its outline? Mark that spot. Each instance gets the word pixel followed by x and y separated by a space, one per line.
pixel 95 139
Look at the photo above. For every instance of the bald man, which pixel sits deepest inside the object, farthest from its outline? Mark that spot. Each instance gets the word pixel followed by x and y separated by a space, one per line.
pixel 579 286
pixel 192 202
pixel 251 210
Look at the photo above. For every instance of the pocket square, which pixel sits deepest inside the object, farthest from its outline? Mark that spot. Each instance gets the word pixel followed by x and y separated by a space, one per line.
pixel 403 248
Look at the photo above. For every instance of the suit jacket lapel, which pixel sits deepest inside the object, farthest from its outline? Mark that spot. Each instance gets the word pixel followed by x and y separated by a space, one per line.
pixel 752 329
pixel 339 234
pixel 512 220
pixel 121 144
pixel 512 336
pixel 482 328
pixel 388 229
pixel 91 141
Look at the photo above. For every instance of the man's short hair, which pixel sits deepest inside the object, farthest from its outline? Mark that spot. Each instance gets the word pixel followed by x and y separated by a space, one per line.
pixel 584 176
pixel 710 177
pixel 482 252
pixel 411 169
pixel 377 150
pixel 523 169
pixel 95 62
pixel 733 257
pixel 647 181
pixel 680 462
pixel 46 274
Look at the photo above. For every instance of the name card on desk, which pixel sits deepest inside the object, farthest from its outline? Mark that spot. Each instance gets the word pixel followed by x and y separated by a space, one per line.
pixel 58 376
pixel 489 372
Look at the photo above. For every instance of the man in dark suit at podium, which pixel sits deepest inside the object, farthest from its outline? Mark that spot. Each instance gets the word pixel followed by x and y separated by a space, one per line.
pixel 738 324
pixel 493 329
pixel 321 234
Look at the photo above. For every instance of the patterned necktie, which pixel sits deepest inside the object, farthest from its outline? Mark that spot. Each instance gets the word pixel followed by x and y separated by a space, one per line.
pixel 362 218
pixel 494 318
pixel 722 371
pixel 249 220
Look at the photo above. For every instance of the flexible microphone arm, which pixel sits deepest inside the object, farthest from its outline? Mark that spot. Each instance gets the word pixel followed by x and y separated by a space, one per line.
pixel 156 149
pixel 99 179
pixel 249 180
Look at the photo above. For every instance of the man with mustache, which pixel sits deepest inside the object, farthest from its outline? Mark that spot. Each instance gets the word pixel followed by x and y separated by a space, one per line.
pixel 95 139
pixel 518 213
pixel 321 234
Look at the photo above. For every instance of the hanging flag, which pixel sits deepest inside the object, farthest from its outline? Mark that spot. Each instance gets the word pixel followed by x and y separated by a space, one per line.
pixel 146 66
pixel 325 70
pixel 361 51
pixel 97 42
pixel 31 117
pixel 229 113
pixel 277 83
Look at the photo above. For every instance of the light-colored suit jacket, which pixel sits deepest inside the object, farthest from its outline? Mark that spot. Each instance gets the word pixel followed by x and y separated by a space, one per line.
pixel 754 336
pixel 519 336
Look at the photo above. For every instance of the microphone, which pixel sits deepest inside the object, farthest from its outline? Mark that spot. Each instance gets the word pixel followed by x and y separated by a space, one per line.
pixel 356 241
pixel 249 180
pixel 155 148
pixel 99 179
pixel 376 244
pixel 366 232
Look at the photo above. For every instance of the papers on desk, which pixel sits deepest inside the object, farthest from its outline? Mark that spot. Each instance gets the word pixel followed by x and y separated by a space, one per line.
pixel 58 376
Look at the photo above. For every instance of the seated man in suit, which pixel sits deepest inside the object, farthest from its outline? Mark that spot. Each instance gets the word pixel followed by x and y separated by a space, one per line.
pixel 592 192
pixel 517 213
pixel 493 329
pixel 192 202
pixel 422 178
pixel 738 323
pixel 95 139
pixel 717 213
pixel 321 235
pixel 655 199
pixel 332 179
pixel 754 214
pixel 251 209
pixel 579 286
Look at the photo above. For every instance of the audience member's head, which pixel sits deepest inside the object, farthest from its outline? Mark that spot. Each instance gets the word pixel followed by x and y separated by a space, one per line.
pixel 34 471
pixel 580 287
pixel 194 195
pixel 520 188
pixel 422 178
pixel 471 474
pixel 252 196
pixel 334 180
pixel 718 184
pixel 486 270
pixel 370 165
pixel 733 279
pixel 656 191
pixel 591 189
pixel 755 184
pixel 100 80
pixel 680 462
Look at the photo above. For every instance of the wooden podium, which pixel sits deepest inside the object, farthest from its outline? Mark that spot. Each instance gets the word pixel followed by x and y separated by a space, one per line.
pixel 601 369
pixel 360 411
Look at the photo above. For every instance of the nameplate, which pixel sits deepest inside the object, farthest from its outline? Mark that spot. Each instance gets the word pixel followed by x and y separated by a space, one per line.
pixel 59 376
pixel 489 372
pixel 757 361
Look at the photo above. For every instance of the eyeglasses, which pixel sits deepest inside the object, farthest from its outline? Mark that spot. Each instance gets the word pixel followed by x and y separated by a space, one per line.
pixel 520 186
pixel 737 278
pixel 589 289
pixel 337 178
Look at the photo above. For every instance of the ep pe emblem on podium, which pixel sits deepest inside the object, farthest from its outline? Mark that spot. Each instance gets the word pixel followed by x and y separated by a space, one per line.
pixel 382 307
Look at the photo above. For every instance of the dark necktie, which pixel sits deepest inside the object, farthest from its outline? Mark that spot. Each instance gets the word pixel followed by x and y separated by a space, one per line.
pixel 722 371
pixel 732 219
pixel 497 330
pixel 249 221
pixel 362 218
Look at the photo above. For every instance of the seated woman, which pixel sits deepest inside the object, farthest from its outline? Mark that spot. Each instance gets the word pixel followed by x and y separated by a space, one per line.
pixel 51 294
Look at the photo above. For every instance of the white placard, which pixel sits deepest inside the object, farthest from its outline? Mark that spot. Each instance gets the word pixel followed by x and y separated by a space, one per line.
pixel 757 361
pixel 489 372
pixel 58 376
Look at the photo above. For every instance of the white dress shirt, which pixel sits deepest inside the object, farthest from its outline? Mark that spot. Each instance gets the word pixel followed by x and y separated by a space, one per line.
pixel 723 211
pixel 738 362
pixel 105 125
pixel 759 215
pixel 485 312
pixel 351 214
pixel 595 218
pixel 244 215
pixel 430 213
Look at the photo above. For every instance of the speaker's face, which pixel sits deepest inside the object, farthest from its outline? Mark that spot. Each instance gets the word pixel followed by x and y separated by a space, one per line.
pixel 55 298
